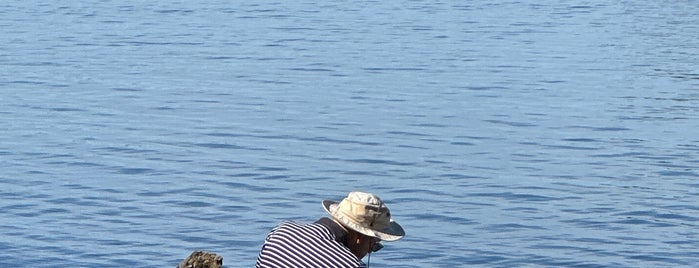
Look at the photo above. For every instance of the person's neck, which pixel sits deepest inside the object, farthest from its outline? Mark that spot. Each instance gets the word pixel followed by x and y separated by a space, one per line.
pixel 335 228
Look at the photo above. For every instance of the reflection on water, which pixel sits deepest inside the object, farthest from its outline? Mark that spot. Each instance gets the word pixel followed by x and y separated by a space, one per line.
pixel 500 133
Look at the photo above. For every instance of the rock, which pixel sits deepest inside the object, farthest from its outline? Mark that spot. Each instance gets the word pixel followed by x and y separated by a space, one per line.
pixel 202 259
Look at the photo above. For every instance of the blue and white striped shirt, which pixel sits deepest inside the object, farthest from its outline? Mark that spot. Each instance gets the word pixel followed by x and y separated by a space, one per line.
pixel 306 245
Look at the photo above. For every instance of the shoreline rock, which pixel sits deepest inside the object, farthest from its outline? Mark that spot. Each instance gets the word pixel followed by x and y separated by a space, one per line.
pixel 202 259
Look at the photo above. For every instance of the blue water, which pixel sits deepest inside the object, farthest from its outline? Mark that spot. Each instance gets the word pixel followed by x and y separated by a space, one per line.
pixel 500 133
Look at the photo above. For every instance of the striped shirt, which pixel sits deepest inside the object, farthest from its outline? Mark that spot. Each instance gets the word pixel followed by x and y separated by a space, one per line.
pixel 306 245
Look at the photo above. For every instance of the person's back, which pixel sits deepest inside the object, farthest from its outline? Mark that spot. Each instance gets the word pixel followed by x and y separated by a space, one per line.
pixel 304 245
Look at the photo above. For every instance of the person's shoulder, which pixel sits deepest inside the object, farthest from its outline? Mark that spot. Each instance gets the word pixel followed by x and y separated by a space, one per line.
pixel 296 226
pixel 288 224
pixel 291 226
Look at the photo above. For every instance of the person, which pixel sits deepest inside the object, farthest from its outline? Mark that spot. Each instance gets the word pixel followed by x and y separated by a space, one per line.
pixel 355 228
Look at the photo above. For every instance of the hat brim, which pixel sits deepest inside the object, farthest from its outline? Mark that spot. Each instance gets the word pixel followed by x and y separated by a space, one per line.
pixel 392 232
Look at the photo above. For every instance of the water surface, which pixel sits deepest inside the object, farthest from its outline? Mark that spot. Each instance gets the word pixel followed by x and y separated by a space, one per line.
pixel 500 133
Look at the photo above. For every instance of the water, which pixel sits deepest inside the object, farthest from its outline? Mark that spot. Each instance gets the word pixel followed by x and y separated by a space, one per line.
pixel 501 133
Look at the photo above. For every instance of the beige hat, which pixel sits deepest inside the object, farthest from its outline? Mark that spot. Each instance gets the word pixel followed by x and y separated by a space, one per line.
pixel 367 214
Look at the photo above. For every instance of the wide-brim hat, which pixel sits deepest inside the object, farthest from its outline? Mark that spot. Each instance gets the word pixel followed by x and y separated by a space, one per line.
pixel 365 213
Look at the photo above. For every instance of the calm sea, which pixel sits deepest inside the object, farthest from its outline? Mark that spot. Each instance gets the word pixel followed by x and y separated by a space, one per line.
pixel 500 133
